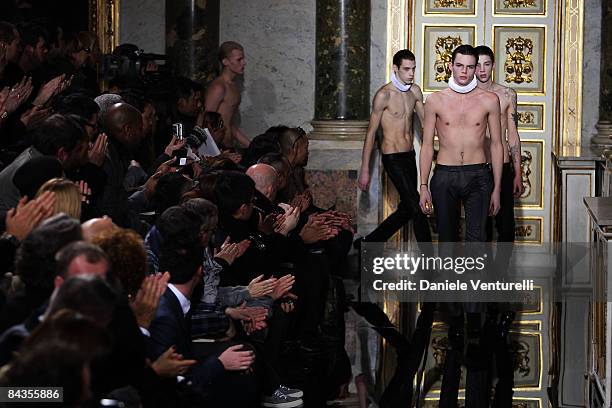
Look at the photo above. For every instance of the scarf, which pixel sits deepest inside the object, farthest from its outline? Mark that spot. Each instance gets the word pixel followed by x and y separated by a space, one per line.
pixel 402 87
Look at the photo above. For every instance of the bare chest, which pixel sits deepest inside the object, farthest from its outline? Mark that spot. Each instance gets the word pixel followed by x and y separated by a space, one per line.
pixel 400 104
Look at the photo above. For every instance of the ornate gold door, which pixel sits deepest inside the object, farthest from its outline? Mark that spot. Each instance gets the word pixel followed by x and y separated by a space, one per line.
pixel 538 46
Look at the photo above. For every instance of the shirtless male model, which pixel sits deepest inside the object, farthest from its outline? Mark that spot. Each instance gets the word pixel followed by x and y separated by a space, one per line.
pixel 460 115
pixel 511 187
pixel 223 95
pixel 393 108
pixel 511 184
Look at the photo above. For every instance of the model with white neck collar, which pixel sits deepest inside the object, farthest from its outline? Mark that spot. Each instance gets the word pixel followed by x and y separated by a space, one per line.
pixel 461 116
pixel 512 185
pixel 393 108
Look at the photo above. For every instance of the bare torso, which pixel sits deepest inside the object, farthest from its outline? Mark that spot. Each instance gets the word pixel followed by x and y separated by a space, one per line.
pixel 229 104
pixel 505 100
pixel 461 124
pixel 396 120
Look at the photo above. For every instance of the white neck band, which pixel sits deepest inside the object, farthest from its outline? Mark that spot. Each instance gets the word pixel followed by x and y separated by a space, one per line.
pixel 402 87
pixel 462 89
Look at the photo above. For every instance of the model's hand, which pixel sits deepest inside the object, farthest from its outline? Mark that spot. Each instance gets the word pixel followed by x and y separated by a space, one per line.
pixel 494 207
pixel 518 186
pixel 425 201
pixel 364 180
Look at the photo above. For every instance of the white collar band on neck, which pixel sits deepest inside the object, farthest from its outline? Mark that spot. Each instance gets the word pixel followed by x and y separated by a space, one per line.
pixel 462 89
pixel 402 87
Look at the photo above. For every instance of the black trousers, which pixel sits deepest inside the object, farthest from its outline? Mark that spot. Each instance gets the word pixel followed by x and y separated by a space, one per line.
pixel 402 170
pixel 504 220
pixel 453 185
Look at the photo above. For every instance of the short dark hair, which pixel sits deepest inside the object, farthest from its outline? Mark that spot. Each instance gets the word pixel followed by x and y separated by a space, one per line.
pixel 184 87
pixel 402 55
pixel 204 208
pixel 35 260
pixel 168 191
pixel 7 32
pixel 179 227
pixel 260 145
pixel 484 50
pixel 232 190
pixel 464 49
pixel 89 295
pixel 77 104
pixel 181 263
pixel 59 131
pixel 67 254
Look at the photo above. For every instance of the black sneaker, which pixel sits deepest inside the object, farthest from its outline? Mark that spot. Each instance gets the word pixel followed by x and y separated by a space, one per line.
pixel 280 400
pixel 291 392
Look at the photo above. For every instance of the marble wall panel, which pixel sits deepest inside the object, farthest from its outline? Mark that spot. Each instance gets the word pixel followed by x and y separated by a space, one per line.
pixel 591 65
pixel 143 22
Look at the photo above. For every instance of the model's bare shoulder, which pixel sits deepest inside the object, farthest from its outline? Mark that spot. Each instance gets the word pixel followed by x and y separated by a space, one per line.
pixel 490 98
pixel 382 96
pixel 416 91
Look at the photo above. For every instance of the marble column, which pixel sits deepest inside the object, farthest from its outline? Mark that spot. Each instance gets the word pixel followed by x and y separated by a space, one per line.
pixel 604 126
pixel 192 38
pixel 342 78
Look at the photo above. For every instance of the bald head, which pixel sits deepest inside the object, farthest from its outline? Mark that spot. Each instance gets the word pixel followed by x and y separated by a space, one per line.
pixel 124 123
pixel 96 226
pixel 265 178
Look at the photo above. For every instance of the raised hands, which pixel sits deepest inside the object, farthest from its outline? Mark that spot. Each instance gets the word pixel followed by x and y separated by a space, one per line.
pixel 20 221
pixel 18 95
pixel 50 89
pixel 259 287
pixel 287 221
pixel 144 304
pixel 34 116
pixel 283 286
pixel 316 229
pixel 230 251
pixel 97 150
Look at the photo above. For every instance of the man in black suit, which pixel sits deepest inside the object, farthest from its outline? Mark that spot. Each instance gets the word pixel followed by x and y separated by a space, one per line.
pixel 223 379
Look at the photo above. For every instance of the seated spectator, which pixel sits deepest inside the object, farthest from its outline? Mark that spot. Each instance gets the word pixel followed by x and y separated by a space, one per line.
pixel 35 266
pixel 214 373
pixel 128 259
pixel 34 173
pixel 60 136
pixel 67 196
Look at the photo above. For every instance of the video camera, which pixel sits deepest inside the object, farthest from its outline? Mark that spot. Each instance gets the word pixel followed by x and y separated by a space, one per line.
pixel 130 62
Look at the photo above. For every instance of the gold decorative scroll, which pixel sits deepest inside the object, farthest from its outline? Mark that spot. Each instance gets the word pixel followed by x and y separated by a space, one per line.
pixel 449 3
pixel 526 118
pixel 526 159
pixel 104 22
pixel 519 3
pixel 518 65
pixel 444 51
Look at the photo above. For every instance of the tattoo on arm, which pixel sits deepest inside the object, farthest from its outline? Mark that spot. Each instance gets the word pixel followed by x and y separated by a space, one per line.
pixel 515 153
pixel 513 105
pixel 515 118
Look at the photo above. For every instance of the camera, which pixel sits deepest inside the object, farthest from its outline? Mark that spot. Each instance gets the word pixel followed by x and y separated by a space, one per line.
pixel 129 61
pixel 177 130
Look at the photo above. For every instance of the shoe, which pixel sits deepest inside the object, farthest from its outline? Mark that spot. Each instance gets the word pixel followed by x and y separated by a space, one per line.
pixel 280 400
pixel 291 392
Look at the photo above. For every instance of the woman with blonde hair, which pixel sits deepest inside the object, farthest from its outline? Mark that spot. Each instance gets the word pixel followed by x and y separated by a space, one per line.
pixel 67 196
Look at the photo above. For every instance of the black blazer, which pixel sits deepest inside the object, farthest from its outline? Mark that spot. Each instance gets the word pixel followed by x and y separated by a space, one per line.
pixel 169 328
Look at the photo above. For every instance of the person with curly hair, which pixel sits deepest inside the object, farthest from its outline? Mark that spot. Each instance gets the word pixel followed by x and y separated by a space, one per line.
pixel 126 252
